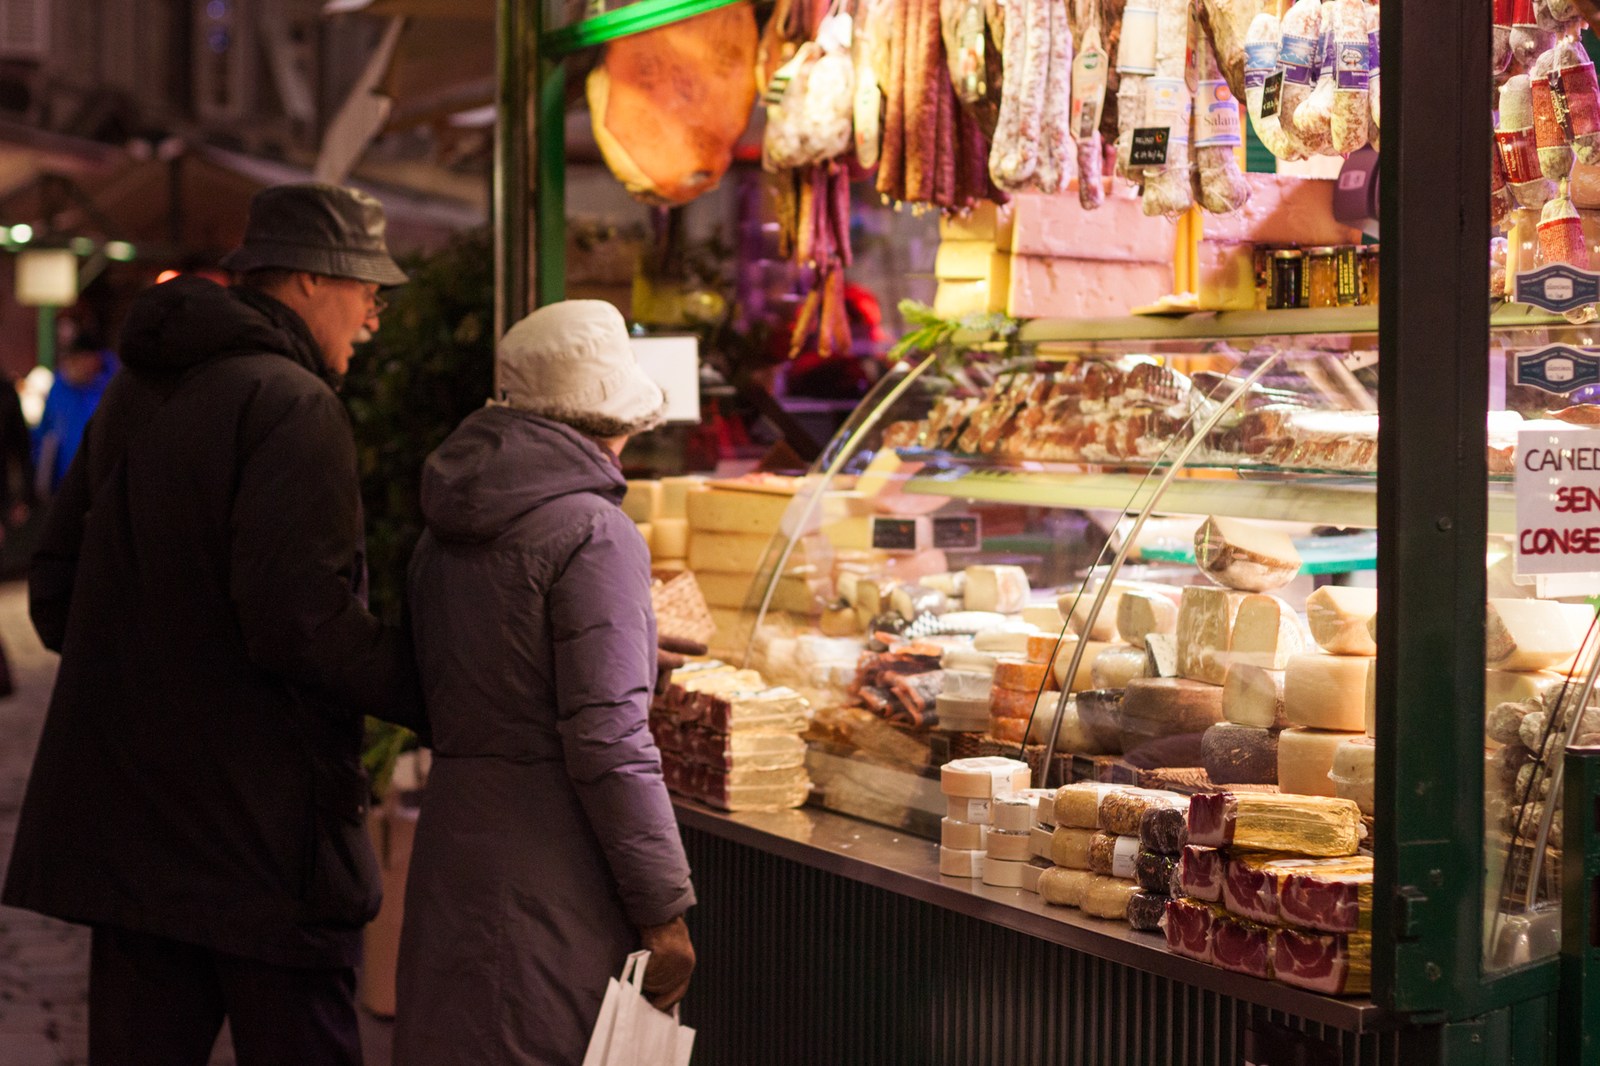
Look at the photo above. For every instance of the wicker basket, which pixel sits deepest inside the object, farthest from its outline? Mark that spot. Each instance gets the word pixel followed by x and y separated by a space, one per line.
pixel 681 610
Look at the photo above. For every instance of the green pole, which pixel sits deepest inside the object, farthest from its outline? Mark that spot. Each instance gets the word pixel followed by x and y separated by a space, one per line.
pixel 47 337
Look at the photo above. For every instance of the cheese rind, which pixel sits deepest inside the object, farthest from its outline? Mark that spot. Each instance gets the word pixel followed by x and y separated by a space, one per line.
pixel 1115 666
pixel 1023 677
pixel 963 836
pixel 1338 616
pixel 1253 696
pixel 1305 757
pixel 954 863
pixel 1153 708
pixel 1266 632
pixel 1205 632
pixel 1353 771
pixel 1322 691
pixel 1002 589
pixel 1140 613
pixel 1240 754
pixel 1239 555
pixel 1528 635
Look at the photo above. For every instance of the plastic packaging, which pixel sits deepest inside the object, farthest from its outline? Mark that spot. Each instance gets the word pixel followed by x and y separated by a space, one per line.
pixel 1582 99
pixel 1351 72
pixel 1515 138
pixel 1219 186
pixel 1299 60
pixel 1528 39
pixel 1167 189
pixel 1551 130
pixel 1561 233
pixel 1260 60
pixel 1313 119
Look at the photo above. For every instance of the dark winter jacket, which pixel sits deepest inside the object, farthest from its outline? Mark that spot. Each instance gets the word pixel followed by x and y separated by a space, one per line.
pixel 202 574
pixel 546 834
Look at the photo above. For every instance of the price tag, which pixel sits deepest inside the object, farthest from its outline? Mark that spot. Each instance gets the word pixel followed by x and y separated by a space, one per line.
pixel 1558 368
pixel 1558 287
pixel 1150 147
pixel 894 534
pixel 957 532
pixel 1557 475
pixel 1272 95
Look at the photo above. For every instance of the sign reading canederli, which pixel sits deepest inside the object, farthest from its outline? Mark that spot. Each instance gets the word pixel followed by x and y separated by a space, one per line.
pixel 1558 501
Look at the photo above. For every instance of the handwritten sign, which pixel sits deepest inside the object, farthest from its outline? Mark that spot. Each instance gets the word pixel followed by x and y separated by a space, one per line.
pixel 1558 501
pixel 1149 147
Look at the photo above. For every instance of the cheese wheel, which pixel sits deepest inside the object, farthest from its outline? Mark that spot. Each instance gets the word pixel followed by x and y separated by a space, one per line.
pixel 643 501
pixel 1305 757
pixel 1353 772
pixel 1240 754
pixel 1156 707
pixel 1084 678
pixel 1064 887
pixel 1011 703
pixel 1078 805
pixel 1140 613
pixel 963 809
pixel 1253 696
pixel 1529 635
pixel 1069 846
pixel 1323 691
pixel 954 863
pixel 1161 655
pixel 1239 555
pixel 1005 873
pixel 983 777
pixel 1012 847
pixel 1016 730
pixel 1039 840
pixel 1108 897
pixel 1205 632
pixel 1023 677
pixel 1012 642
pixel 669 538
pixel 963 836
pixel 972 660
pixel 967 684
pixel 1116 665
pixel 1013 813
pixel 1044 616
pixel 1043 646
pixel 1075 735
pixel 1338 616
pixel 1002 589
pixel 1266 631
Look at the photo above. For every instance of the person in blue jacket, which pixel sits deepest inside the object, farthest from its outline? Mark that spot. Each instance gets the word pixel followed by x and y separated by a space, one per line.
pixel 81 379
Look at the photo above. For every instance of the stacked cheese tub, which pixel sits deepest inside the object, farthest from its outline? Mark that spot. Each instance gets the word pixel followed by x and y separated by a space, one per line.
pixel 1096 847
pixel 971 788
pixel 729 739
pixel 1272 886
pixel 1010 858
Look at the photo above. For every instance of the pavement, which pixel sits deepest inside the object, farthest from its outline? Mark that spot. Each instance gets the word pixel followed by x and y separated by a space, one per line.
pixel 44 964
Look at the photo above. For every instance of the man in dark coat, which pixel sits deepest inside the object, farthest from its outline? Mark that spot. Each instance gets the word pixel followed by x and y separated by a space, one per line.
pixel 547 849
pixel 197 795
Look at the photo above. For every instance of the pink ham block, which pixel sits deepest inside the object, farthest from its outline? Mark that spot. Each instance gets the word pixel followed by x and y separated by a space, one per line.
pixel 1083 288
pixel 1119 231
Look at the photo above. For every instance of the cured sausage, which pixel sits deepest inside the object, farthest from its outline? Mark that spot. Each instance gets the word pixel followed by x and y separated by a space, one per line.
pixel 1351 115
pixel 1057 156
pixel 1221 188
pixel 1168 189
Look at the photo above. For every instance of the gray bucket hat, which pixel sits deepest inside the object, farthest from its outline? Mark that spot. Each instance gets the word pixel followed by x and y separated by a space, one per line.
pixel 321 229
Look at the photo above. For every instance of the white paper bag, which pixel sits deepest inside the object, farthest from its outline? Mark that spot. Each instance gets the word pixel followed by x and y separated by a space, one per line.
pixel 630 1032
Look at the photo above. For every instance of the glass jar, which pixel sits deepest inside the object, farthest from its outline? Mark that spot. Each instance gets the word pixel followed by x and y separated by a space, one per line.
pixel 1369 274
pixel 1263 271
pixel 1321 283
pixel 1287 264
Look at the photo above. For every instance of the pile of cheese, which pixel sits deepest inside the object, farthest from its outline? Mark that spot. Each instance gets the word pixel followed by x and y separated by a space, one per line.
pixel 989 827
pixel 660 510
pixel 1272 886
pixel 730 739
pixel 1101 865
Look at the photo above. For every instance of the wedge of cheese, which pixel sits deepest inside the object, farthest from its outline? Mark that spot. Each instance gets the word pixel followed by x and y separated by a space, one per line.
pixel 643 501
pixel 1140 613
pixel 1206 617
pixel 1238 555
pixel 731 511
pixel 1083 288
pixel 1252 696
pixel 1353 772
pixel 1529 635
pixel 1305 757
pixel 1322 691
pixel 1057 226
pixel 1002 589
pixel 1266 632
pixel 1160 655
pixel 1338 616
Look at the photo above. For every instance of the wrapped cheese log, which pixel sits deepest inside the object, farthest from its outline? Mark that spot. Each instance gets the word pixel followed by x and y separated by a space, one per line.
pixel 1154 871
pixel 1528 38
pixel 1164 830
pixel 1351 115
pixel 1063 887
pixel 1260 60
pixel 1167 189
pixel 1561 237
pixel 1078 805
pixel 1502 35
pixel 1313 120
pixel 1189 924
pixel 1122 810
pixel 1113 856
pixel 1308 825
pixel 1145 911
pixel 1582 95
pixel 1501 202
pixel 1550 138
pixel 1300 61
pixel 1071 846
pixel 1057 154
pixel 1219 186
pixel 1518 154
pixel 1107 897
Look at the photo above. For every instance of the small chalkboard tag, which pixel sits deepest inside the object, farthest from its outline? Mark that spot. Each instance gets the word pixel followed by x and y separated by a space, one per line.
pixel 957 532
pixel 1558 288
pixel 1150 147
pixel 894 534
pixel 1558 368
pixel 1272 94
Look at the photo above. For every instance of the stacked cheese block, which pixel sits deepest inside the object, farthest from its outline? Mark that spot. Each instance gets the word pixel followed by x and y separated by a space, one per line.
pixel 1096 848
pixel 1272 886
pixel 968 677
pixel 729 739
pixel 1530 644
pixel 971 787
pixel 660 510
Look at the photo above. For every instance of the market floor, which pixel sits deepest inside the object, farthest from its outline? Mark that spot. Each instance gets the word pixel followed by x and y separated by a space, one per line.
pixel 44 964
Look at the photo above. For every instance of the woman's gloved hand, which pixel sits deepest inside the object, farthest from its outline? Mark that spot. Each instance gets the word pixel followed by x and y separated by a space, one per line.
pixel 670 654
pixel 666 978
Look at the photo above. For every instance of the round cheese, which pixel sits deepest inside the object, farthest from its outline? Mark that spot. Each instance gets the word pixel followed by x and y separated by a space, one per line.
pixel 1013 813
pixel 1069 846
pixel 1338 616
pixel 963 836
pixel 1002 589
pixel 1011 703
pixel 1305 757
pixel 1141 613
pixel 1206 618
pixel 1074 736
pixel 1239 555
pixel 1118 664
pixel 1042 647
pixel 1004 873
pixel 1352 772
pixel 1063 887
pixel 1084 678
pixel 1326 691
pixel 1012 730
pixel 1266 631
pixel 1007 641
pixel 955 863
pixel 968 684
pixel 983 777
pixel 961 809
pixel 1023 677
pixel 1156 707
pixel 1012 847
pixel 1240 754
pixel 1078 805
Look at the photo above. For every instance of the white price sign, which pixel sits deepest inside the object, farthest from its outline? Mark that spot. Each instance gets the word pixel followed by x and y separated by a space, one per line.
pixel 1558 501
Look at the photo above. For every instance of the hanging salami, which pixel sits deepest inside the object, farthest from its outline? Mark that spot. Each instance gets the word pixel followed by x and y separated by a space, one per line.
pixel 1219 186
pixel 1167 188
pixel 1518 152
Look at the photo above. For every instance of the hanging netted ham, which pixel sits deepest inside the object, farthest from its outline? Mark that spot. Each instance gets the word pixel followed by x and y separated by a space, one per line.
pixel 668 104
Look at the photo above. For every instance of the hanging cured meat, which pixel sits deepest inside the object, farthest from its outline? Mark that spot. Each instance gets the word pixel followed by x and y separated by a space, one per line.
pixel 668 104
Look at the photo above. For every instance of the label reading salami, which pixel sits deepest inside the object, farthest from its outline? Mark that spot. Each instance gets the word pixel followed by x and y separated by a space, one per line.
pixel 1351 65
pixel 1216 116
pixel 1150 146
pixel 1272 95
pixel 1299 58
pixel 1259 60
